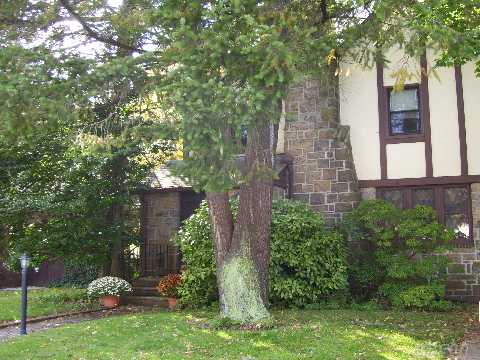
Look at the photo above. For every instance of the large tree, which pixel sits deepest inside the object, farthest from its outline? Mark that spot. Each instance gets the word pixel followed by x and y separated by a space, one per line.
pixel 224 68
pixel 73 147
pixel 60 183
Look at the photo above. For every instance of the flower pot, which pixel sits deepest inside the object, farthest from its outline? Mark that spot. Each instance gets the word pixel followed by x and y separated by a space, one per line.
pixel 172 303
pixel 109 301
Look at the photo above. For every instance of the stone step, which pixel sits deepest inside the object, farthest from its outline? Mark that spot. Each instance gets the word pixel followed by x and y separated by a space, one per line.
pixel 145 301
pixel 145 282
pixel 145 291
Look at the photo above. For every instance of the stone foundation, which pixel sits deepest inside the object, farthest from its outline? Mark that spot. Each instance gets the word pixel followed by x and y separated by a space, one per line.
pixel 464 268
pixel 324 174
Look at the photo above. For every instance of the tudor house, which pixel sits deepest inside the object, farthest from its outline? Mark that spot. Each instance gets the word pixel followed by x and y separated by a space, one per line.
pixel 361 138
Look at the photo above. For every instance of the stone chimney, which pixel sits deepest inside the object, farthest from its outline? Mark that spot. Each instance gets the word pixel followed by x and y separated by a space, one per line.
pixel 324 172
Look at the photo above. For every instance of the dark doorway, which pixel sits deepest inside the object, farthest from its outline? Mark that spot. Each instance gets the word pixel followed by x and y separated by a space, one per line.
pixel 162 214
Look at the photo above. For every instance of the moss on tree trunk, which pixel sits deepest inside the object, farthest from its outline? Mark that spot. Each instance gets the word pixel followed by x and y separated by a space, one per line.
pixel 241 297
pixel 242 249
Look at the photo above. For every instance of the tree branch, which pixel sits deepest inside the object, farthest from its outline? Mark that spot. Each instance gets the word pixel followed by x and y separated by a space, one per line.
pixel 95 35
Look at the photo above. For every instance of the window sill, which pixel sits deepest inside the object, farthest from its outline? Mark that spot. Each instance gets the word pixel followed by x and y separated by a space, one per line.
pixel 463 243
pixel 398 139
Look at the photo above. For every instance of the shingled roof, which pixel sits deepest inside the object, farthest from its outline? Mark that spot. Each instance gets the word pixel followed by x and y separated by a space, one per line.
pixel 162 179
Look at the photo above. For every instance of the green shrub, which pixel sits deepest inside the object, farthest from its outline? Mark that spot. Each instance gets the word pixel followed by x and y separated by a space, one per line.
pixel 78 274
pixel 398 255
pixel 198 285
pixel 308 262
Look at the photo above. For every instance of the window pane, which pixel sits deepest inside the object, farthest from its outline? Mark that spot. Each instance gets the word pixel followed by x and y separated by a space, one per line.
pixel 406 122
pixel 423 197
pixel 456 200
pixel 459 223
pixel 393 196
pixel 403 100
pixel 456 211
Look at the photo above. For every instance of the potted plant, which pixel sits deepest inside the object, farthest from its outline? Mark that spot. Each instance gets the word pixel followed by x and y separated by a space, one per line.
pixel 168 287
pixel 108 289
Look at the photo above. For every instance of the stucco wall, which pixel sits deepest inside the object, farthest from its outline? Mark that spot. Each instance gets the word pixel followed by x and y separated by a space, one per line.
pixel 405 160
pixel 397 60
pixel 444 122
pixel 359 110
pixel 471 95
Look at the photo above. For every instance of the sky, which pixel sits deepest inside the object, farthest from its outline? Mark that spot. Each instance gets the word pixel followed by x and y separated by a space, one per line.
pixel 87 47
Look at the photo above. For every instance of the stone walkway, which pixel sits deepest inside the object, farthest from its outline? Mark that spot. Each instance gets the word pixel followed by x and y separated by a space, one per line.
pixel 470 349
pixel 472 352
pixel 12 331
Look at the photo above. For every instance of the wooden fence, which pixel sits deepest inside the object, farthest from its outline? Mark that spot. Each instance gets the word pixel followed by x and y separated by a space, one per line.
pixel 49 272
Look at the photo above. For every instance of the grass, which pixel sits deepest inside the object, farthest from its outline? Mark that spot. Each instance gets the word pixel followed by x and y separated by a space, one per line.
pixel 43 302
pixel 299 334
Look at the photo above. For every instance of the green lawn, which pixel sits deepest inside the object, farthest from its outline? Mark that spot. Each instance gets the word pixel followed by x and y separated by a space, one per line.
pixel 42 302
pixel 309 334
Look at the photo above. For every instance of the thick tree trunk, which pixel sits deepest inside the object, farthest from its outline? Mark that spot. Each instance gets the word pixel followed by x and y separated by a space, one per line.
pixel 243 250
pixel 222 221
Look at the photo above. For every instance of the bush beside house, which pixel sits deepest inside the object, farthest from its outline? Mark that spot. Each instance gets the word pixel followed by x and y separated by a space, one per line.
pixel 397 256
pixel 308 262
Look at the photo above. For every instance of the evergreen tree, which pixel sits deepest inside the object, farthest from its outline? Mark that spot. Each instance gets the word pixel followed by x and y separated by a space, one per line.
pixel 222 68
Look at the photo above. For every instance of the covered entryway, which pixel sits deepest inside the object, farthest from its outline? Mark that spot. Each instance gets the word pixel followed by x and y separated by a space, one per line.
pixel 165 205
pixel 168 201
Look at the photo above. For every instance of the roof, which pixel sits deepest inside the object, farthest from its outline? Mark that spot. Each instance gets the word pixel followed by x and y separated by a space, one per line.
pixel 162 179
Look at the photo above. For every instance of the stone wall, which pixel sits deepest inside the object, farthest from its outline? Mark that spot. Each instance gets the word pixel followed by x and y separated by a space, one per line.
pixel 464 268
pixel 324 173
